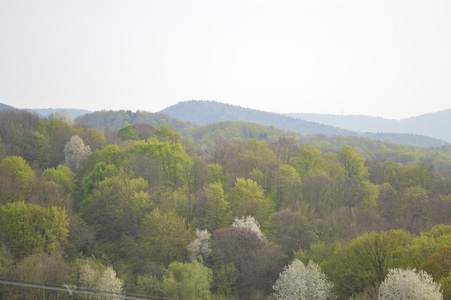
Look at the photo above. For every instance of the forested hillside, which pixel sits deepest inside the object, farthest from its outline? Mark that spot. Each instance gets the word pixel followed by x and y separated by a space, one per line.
pixel 45 112
pixel 227 211
pixel 115 120
pixel 205 112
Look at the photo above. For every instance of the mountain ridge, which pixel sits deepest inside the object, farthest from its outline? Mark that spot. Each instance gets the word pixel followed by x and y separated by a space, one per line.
pixel 434 124
pixel 204 112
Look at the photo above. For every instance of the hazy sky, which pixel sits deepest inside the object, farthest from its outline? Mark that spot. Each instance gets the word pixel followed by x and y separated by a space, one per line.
pixel 382 58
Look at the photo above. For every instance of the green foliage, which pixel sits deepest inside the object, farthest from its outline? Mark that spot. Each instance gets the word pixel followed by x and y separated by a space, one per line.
pixel 174 161
pixel 127 133
pixel 438 265
pixel 166 237
pixel 288 188
pixel 216 173
pixel 17 179
pixel 247 198
pixel 362 264
pixel 217 213
pixel 118 119
pixel 353 164
pixel 117 206
pixel 307 160
pixel 167 134
pixel 61 175
pixel 315 197
pixel 42 268
pixel 101 171
pixel 28 228
pixel 291 231
pixel 445 284
pixel 187 281
pixel 147 285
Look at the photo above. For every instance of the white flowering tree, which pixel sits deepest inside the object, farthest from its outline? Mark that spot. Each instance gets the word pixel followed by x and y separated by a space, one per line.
pixel 201 245
pixel 298 281
pixel 407 284
pixel 62 116
pixel 249 222
pixel 93 275
pixel 109 282
pixel 75 152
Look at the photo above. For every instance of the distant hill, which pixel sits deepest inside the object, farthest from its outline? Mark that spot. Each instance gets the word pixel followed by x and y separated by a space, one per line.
pixel 44 112
pixel 204 112
pixel 436 125
pixel 6 107
pixel 118 119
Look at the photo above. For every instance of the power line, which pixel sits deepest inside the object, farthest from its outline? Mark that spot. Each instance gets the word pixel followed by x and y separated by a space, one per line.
pixel 76 290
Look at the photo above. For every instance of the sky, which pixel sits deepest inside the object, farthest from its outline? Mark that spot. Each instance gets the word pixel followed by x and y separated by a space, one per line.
pixel 386 58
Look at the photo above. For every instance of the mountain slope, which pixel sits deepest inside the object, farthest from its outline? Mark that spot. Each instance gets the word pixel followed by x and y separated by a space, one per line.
pixel 74 113
pixel 6 107
pixel 436 125
pixel 44 112
pixel 118 119
pixel 204 112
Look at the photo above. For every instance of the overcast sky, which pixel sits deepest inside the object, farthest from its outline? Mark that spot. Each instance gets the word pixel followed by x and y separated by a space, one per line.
pixel 382 58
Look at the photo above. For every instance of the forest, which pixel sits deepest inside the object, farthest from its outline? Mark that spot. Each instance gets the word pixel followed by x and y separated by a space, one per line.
pixel 229 210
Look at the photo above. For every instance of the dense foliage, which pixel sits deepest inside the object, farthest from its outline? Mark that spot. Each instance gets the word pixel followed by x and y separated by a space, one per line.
pixel 149 212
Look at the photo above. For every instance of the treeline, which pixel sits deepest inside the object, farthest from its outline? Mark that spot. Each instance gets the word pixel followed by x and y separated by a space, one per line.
pixel 145 211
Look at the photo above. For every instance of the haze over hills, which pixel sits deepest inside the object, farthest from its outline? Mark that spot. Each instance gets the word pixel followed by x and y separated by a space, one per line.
pixel 436 125
pixel 204 112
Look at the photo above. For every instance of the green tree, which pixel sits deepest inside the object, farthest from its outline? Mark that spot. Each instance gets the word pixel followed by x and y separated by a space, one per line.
pixel 307 160
pixel 360 265
pixel 61 175
pixel 288 187
pixel 247 198
pixel 166 237
pixel 167 134
pixel 17 179
pixel 187 281
pixel 353 164
pixel 117 207
pixel 127 133
pixel 438 265
pixel 174 161
pixel 217 212
pixel 28 228
pixel 291 230
pixel 100 172
pixel 445 284
pixel 216 173
pixel 238 252
pixel 42 268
